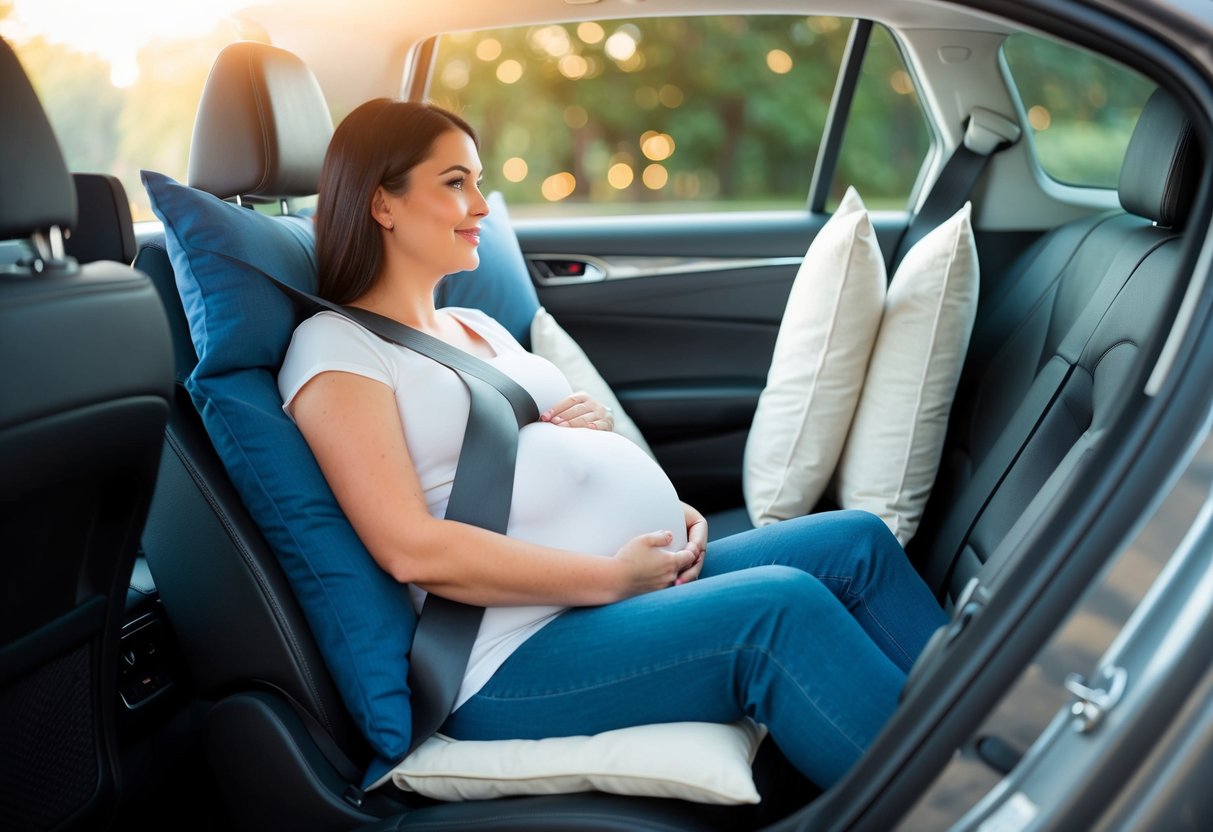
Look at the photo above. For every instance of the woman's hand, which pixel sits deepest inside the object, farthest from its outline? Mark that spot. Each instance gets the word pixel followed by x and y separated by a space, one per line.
pixel 580 411
pixel 649 566
pixel 697 543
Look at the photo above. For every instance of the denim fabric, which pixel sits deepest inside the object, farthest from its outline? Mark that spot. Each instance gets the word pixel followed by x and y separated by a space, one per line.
pixel 807 626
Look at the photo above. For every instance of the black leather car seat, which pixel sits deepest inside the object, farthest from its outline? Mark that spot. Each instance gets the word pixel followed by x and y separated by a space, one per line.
pixel 281 745
pixel 105 230
pixel 85 380
pixel 1082 303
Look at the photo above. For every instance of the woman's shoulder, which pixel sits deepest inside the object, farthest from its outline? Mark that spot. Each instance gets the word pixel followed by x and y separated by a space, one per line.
pixel 325 325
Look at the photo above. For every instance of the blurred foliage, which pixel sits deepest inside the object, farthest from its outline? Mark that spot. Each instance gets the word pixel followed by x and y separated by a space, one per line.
pixel 886 138
pixel 1082 108
pixel 669 114
pixel 103 128
pixel 567 113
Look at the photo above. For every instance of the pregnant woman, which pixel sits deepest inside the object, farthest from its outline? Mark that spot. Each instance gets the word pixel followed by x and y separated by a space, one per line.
pixel 605 608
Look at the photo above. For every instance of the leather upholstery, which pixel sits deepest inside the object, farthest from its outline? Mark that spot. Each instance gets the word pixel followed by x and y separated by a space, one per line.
pixel 85 378
pixel 1162 163
pixel 104 230
pixel 262 126
pixel 1020 342
pixel 37 193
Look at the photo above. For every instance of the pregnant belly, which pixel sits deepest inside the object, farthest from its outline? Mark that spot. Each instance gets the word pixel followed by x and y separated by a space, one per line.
pixel 589 491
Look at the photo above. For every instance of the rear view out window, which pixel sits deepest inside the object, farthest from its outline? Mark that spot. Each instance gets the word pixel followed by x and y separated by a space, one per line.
pixel 1081 108
pixel 665 114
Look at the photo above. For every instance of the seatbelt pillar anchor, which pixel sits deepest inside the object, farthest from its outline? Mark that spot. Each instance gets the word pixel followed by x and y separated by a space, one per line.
pixel 987 131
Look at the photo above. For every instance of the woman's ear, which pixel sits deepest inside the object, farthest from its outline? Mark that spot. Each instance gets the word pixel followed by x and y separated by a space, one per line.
pixel 381 210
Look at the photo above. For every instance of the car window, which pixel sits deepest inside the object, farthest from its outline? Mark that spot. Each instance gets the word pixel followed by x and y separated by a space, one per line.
pixel 1081 108
pixel 111 113
pixel 886 136
pixel 670 114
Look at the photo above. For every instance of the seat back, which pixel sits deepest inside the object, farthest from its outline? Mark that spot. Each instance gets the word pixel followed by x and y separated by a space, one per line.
pixel 1052 357
pixel 85 376
pixel 237 620
pixel 107 232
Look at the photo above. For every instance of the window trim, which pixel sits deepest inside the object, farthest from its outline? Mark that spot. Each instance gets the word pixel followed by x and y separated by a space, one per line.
pixel 847 81
pixel 1090 196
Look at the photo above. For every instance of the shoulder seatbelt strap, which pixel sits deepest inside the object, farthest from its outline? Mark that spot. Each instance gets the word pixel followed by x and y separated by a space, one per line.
pixel 481 495
pixel 986 133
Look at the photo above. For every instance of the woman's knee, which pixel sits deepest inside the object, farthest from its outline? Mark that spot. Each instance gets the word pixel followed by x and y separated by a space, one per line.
pixel 866 526
pixel 788 590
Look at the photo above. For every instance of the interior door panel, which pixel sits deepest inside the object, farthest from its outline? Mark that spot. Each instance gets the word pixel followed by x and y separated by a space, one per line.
pixel 680 314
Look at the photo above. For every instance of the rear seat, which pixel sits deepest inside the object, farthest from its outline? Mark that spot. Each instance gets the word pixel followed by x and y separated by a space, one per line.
pixel 1051 357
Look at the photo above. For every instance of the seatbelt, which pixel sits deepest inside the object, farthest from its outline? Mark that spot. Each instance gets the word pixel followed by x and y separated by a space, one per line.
pixel 481 495
pixel 1040 399
pixel 986 133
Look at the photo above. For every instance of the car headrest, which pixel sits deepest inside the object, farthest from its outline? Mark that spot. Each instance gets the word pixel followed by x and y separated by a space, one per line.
pixel 36 192
pixel 262 126
pixel 105 230
pixel 1162 164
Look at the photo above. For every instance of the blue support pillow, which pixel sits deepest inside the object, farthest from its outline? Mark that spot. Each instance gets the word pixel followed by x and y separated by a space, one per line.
pixel 501 285
pixel 362 619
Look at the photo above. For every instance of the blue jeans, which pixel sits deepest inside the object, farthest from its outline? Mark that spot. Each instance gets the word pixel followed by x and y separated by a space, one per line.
pixel 808 626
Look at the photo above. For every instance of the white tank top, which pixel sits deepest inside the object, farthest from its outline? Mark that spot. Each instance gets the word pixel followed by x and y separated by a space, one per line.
pixel 574 488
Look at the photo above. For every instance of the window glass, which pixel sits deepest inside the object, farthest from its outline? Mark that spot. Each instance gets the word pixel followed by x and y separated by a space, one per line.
pixel 1081 108
pixel 667 114
pixel 886 136
pixel 121 97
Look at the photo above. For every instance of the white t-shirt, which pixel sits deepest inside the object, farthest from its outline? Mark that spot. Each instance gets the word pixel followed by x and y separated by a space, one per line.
pixel 574 488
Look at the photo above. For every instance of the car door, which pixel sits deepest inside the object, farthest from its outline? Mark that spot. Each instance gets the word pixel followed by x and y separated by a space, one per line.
pixel 665 233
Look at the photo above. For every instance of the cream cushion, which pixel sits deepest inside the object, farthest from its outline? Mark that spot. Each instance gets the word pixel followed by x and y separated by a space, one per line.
pixel 696 761
pixel 549 340
pixel 892 453
pixel 817 371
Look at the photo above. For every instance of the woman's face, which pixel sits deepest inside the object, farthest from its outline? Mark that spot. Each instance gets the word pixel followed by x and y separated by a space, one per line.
pixel 437 219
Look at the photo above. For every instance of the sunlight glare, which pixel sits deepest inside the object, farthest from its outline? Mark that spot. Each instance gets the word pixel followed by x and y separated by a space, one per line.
pixel 116 30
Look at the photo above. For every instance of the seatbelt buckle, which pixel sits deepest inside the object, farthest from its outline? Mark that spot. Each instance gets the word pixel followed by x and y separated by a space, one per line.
pixel 987 131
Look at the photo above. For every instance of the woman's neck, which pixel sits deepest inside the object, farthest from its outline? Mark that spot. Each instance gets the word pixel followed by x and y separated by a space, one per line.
pixel 404 298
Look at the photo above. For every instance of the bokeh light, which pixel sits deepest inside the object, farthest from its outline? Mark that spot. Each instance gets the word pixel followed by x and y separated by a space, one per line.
pixel 576 116
pixel 900 81
pixel 655 177
pixel 514 169
pixel 657 146
pixel 1039 117
pixel 779 62
pixel 509 71
pixel 488 49
pixel 646 97
pixel 590 32
pixel 620 175
pixel 558 186
pixel 670 96
pixel 620 46
pixel 573 67
pixel 455 74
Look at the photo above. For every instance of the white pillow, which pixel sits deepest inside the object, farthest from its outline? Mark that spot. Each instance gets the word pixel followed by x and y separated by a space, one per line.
pixel 697 761
pixel 892 454
pixel 817 371
pixel 549 340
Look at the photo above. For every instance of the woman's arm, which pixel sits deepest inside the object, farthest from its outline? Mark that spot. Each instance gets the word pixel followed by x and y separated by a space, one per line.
pixel 353 427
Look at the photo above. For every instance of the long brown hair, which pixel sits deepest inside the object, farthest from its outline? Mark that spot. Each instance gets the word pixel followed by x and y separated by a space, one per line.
pixel 377 144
